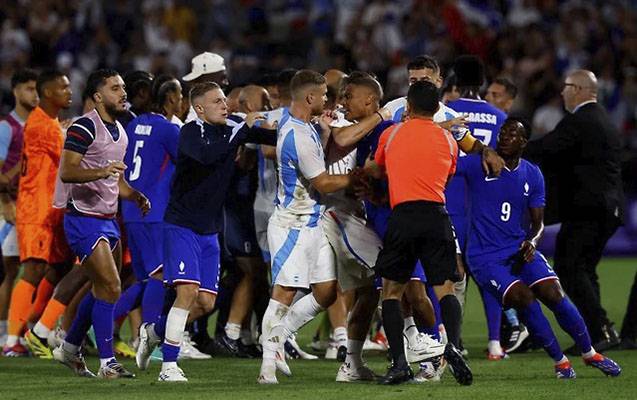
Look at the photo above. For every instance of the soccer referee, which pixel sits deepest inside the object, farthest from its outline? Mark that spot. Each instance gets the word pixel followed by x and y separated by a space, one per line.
pixel 418 157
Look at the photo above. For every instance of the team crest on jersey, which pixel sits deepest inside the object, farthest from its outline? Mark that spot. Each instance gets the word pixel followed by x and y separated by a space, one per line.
pixel 526 188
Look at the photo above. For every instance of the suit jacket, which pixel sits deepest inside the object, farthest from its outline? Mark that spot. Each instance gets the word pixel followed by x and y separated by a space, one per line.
pixel 581 163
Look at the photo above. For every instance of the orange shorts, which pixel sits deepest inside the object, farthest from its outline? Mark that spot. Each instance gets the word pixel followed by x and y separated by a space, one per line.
pixel 43 242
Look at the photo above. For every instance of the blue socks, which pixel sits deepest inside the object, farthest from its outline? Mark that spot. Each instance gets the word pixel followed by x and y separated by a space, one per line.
pixel 129 300
pixel 493 312
pixel 103 326
pixel 169 352
pixel 153 300
pixel 82 321
pixel 572 322
pixel 433 331
pixel 541 329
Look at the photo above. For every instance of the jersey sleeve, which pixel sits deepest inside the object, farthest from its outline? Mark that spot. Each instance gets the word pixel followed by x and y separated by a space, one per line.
pixel 379 156
pixel 80 135
pixel 171 141
pixel 5 139
pixel 537 191
pixel 311 158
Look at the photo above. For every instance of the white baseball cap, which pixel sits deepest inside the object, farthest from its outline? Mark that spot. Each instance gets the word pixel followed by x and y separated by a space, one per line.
pixel 205 63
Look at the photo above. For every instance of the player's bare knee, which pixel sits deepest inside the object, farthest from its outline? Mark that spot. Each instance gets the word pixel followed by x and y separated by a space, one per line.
pixel 325 293
pixel 206 301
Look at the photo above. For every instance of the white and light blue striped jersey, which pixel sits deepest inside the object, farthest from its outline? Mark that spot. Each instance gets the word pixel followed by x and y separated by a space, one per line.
pixel 300 158
pixel 266 191
pixel 398 107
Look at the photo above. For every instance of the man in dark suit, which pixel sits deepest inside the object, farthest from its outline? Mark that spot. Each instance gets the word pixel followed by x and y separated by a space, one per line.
pixel 581 161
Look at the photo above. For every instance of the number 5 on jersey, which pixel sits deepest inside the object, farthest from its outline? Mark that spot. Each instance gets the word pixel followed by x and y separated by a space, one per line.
pixel 137 161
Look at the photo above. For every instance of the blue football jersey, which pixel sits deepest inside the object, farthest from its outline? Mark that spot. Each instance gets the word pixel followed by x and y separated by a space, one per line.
pixel 499 205
pixel 484 121
pixel 150 157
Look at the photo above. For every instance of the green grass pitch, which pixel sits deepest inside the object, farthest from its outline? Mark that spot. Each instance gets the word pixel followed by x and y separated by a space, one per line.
pixel 526 376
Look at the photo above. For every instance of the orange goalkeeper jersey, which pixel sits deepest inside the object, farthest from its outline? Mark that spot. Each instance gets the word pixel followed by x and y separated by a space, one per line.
pixel 43 144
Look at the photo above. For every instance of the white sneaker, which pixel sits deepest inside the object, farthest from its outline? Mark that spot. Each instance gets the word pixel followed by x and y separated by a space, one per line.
pixel 332 351
pixel 281 364
pixel 148 340
pixel 423 348
pixel 188 351
pixel 348 374
pixel 56 337
pixel 172 374
pixel 302 354
pixel 370 345
pixel 267 374
pixel 430 371
pixel 74 361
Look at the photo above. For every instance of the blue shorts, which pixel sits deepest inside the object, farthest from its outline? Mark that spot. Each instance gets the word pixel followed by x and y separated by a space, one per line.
pixel 146 245
pixel 417 275
pixel 239 234
pixel 191 258
pixel 84 232
pixel 494 273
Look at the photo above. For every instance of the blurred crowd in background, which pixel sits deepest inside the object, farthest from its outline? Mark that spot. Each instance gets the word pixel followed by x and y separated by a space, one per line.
pixel 532 42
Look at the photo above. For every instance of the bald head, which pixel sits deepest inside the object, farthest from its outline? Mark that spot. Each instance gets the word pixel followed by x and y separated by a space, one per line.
pixel 584 78
pixel 253 98
pixel 334 80
pixel 333 77
pixel 233 100
pixel 580 86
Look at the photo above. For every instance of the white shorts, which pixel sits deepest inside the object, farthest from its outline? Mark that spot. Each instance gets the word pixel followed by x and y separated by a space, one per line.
pixel 261 218
pixel 298 256
pixel 356 247
pixel 9 239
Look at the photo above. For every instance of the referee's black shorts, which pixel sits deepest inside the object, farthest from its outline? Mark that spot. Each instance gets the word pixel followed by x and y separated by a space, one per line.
pixel 418 230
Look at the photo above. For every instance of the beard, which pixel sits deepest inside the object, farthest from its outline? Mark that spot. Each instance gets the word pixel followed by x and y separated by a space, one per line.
pixel 27 106
pixel 114 111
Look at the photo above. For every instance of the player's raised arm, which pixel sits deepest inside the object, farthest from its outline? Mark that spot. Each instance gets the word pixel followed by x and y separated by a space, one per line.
pixel 350 135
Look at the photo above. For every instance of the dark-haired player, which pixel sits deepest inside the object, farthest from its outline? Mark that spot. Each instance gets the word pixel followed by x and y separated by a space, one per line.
pixel 503 256
pixel 90 183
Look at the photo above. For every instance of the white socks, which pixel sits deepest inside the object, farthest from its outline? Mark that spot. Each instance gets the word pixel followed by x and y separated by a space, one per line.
pixel 41 331
pixel 590 354
pixel 12 340
pixel 3 327
pixel 271 319
pixel 495 348
pixel 354 353
pixel 459 289
pixel 340 336
pixel 233 331
pixel 410 330
pixel 301 312
pixel 104 361
pixel 71 348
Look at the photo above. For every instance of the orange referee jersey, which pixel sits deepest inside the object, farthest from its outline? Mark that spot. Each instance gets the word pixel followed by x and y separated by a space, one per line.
pixel 39 225
pixel 419 156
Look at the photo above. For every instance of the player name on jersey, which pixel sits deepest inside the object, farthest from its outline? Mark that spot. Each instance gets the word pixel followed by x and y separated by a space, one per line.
pixel 484 118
